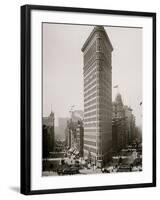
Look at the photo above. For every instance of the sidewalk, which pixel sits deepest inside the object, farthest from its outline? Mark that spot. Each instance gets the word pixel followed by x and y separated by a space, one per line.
pixel 49 173
pixel 90 171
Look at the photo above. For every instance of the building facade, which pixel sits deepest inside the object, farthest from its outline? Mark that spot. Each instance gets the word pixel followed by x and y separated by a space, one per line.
pixel 80 137
pixel 60 128
pixel 48 135
pixel 119 132
pixel 74 136
pixel 130 124
pixel 123 124
pixel 97 72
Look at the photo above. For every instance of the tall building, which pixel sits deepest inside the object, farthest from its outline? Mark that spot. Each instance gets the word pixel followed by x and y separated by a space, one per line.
pixel 123 124
pixel 117 107
pixel 60 129
pixel 130 123
pixel 74 136
pixel 119 132
pixel 49 121
pixel 75 131
pixel 48 135
pixel 97 72
pixel 80 137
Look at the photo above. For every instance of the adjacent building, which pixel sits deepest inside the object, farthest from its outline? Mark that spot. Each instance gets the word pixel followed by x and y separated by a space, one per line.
pixel 60 128
pixel 75 133
pixel 119 135
pixel 48 139
pixel 123 124
pixel 130 124
pixel 97 71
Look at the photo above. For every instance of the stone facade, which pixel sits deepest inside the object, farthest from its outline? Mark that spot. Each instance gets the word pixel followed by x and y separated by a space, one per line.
pixel 74 136
pixel 97 95
pixel 130 123
pixel 123 124
pixel 48 135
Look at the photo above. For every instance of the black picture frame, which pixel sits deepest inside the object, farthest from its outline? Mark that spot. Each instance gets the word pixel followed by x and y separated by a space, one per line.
pixel 26 98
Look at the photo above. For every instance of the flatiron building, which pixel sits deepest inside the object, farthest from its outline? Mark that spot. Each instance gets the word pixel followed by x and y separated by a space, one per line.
pixel 97 72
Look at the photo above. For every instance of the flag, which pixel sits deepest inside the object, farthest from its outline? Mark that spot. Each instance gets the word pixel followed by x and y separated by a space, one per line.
pixel 116 86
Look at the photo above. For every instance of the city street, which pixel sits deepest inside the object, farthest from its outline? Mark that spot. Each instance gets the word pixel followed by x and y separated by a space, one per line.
pixel 127 160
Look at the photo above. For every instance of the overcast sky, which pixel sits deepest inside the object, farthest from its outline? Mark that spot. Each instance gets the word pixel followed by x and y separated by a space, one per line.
pixel 63 67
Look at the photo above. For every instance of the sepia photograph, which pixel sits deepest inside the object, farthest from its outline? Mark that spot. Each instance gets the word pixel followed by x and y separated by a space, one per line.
pixel 88 103
pixel 91 99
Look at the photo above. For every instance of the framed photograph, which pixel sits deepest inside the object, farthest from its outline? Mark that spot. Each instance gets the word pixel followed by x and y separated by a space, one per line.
pixel 88 99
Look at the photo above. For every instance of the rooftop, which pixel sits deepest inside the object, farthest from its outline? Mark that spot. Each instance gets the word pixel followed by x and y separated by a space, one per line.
pixel 97 29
